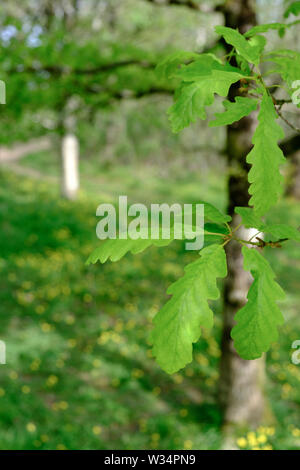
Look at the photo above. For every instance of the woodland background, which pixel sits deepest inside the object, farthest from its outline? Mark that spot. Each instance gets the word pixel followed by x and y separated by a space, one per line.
pixel 79 372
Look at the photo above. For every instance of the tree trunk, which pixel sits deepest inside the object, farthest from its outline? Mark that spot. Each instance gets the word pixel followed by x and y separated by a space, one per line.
pixel 2 92
pixel 293 188
pixel 241 381
pixel 70 172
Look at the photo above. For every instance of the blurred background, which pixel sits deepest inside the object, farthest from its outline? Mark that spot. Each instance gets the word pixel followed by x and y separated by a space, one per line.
pixel 81 86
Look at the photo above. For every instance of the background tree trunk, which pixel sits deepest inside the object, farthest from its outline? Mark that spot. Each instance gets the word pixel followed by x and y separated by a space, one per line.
pixel 293 188
pixel 69 148
pixel 70 171
pixel 241 381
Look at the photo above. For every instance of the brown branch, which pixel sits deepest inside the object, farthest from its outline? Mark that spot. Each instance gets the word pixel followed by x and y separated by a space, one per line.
pixel 123 94
pixel 296 129
pixel 114 65
pixel 182 3
pixel 58 70
pixel 281 102
pixel 262 243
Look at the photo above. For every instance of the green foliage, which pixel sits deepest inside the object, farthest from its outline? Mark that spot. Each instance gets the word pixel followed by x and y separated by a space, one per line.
pixel 286 64
pixel 116 249
pixel 264 28
pixel 293 9
pixel 250 219
pixel 202 67
pixel 265 158
pixel 167 67
pixel 47 289
pixel 250 52
pixel 213 214
pixel 192 98
pixel 282 231
pixel 241 107
pixel 178 325
pixel 200 80
pixel 201 76
pixel 258 320
pixel 85 329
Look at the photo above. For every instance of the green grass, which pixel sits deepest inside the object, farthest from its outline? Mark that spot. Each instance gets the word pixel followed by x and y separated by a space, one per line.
pixel 79 371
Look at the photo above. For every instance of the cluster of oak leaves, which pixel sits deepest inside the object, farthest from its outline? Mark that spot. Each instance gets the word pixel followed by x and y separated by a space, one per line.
pixel 200 77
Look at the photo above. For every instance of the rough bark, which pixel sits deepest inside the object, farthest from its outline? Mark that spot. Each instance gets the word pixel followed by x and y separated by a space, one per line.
pixel 241 381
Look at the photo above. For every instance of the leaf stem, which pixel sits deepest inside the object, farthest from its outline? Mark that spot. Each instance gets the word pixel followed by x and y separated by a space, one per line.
pixel 215 233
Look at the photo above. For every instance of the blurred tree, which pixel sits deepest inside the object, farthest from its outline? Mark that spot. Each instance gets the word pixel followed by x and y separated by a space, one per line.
pixel 60 71
pixel 241 381
pixel 293 188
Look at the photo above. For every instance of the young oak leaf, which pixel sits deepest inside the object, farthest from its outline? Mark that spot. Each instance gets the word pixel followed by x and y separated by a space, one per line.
pixel 192 98
pixel 264 28
pixel 293 9
pixel 250 52
pixel 258 320
pixel 213 214
pixel 203 67
pixel 241 107
pixel 281 231
pixel 265 157
pixel 251 220
pixel 258 42
pixel 167 67
pixel 115 249
pixel 178 324
pixel 287 64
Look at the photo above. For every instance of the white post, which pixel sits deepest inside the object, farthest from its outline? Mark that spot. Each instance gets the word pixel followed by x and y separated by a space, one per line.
pixel 2 352
pixel 70 161
pixel 2 92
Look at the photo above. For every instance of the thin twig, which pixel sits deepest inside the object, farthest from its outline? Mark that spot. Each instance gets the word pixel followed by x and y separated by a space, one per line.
pixel 296 129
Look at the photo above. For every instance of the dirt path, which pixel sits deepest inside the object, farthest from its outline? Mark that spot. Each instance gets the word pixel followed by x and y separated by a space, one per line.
pixel 20 150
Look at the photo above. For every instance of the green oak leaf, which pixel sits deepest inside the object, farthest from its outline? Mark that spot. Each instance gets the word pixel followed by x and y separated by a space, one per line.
pixel 241 107
pixel 287 64
pixel 213 214
pixel 251 220
pixel 115 249
pixel 250 52
pixel 178 324
pixel 258 42
pixel 202 67
pixel 265 157
pixel 264 28
pixel 258 320
pixel 192 98
pixel 167 67
pixel 282 231
pixel 293 9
